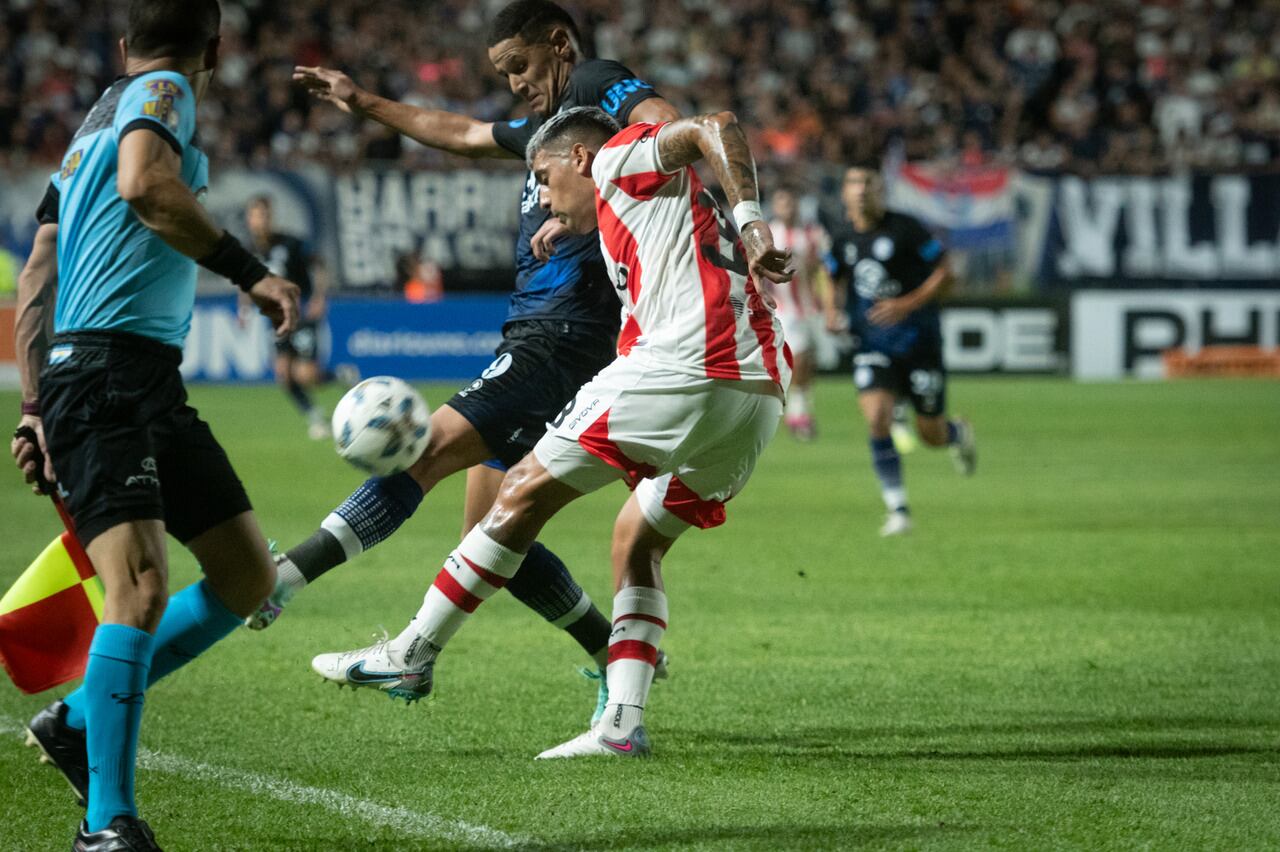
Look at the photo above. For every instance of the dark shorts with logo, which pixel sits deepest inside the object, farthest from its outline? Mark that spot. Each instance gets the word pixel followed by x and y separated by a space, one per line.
pixel 124 442
pixel 303 344
pixel 918 376
pixel 538 369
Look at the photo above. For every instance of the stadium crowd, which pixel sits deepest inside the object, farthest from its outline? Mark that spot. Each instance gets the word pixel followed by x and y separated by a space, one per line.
pixel 1086 86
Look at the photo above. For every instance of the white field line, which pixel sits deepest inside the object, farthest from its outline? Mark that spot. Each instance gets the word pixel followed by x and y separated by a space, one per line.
pixel 427 826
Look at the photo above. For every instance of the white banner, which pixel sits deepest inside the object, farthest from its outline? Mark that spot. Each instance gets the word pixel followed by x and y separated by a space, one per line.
pixel 1117 334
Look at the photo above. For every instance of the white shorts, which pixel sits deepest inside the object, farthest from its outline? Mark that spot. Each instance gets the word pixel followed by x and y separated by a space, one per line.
pixel 685 445
pixel 801 331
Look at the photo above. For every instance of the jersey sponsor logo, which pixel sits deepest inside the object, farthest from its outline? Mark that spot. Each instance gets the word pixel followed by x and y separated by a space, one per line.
pixel 71 165
pixel 529 198
pixel 871 280
pixel 162 110
pixel 357 675
pixel 882 248
pixel 163 88
pixel 518 123
pixel 624 746
pixel 850 254
pixel 617 94
pixel 148 477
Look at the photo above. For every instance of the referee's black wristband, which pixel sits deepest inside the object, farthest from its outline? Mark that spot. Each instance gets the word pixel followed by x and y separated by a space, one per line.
pixel 232 260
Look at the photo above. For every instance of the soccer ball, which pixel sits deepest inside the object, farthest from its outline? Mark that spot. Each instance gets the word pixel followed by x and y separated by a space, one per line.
pixel 381 426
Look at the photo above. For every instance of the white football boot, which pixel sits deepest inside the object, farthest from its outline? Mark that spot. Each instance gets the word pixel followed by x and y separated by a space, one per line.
pixel 896 523
pixel 374 667
pixel 595 743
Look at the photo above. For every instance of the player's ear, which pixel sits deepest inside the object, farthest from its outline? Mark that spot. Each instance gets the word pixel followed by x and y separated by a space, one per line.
pixel 561 43
pixel 580 158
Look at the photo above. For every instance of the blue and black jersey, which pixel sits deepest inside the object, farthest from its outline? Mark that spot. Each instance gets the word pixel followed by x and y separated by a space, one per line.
pixel 572 286
pixel 887 261
pixel 115 274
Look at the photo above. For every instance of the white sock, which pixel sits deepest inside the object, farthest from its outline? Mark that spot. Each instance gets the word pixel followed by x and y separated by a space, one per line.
pixel 895 499
pixel 472 573
pixel 639 620
pixel 288 574
pixel 797 402
pixel 337 526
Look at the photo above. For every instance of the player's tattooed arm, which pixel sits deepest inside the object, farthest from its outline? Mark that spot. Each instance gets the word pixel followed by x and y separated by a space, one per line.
pixel 33 320
pixel 718 139
pixel 448 131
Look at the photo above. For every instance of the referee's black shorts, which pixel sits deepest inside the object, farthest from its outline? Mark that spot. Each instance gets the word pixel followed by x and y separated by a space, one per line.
pixel 124 442
pixel 538 369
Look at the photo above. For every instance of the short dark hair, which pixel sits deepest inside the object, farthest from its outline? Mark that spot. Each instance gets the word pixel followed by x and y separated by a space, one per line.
pixel 532 21
pixel 580 124
pixel 181 28
pixel 865 164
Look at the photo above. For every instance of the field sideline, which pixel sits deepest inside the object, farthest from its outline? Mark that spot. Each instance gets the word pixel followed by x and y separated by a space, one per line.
pixel 1077 648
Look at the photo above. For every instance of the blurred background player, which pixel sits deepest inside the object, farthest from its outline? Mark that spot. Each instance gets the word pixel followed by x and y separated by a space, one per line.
pixel 134 461
pixel 297 366
pixel 890 270
pixel 799 306
pixel 560 328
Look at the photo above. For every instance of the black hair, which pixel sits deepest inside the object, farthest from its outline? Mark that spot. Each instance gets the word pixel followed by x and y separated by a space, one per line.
pixel 532 21
pixel 866 164
pixel 580 124
pixel 179 28
pixel 260 200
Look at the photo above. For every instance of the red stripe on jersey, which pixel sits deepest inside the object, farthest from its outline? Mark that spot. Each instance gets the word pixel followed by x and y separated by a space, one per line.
pixel 681 501
pixel 786 354
pixel 761 319
pixel 631 649
pixel 628 336
pixel 640 616
pixel 457 595
pixel 633 132
pixel 495 580
pixel 721 358
pixel 620 243
pixel 595 440
pixel 642 185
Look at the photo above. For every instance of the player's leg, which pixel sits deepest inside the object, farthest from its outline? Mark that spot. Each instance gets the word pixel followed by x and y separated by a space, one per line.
pixel 296 393
pixel 543 582
pixel 936 429
pixel 800 336
pixel 876 401
pixel 306 376
pixel 488 556
pixel 375 510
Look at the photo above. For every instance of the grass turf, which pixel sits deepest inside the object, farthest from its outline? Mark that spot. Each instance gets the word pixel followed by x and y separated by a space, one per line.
pixel 1077 648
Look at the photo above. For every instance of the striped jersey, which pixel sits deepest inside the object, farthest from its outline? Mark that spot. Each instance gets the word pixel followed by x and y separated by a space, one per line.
pixel 809 245
pixel 689 303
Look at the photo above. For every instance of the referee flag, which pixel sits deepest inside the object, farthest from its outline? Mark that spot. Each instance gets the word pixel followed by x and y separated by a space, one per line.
pixel 47 618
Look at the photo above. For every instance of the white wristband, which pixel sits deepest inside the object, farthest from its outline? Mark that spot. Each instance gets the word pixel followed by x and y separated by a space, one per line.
pixel 746 212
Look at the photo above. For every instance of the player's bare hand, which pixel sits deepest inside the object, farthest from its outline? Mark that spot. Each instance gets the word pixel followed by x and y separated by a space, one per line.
pixel 542 241
pixel 764 259
pixel 889 311
pixel 332 86
pixel 277 299
pixel 30 456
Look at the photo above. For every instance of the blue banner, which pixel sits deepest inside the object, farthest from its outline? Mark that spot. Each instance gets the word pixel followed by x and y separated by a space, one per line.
pixel 449 340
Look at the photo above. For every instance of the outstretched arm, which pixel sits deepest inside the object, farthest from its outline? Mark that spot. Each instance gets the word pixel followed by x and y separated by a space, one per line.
pixel 448 131
pixel 718 139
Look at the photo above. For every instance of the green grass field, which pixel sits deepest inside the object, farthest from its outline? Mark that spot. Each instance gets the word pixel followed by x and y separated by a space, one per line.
pixel 1077 648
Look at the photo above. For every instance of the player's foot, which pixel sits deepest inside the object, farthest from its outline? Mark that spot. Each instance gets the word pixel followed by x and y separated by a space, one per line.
pixel 275 602
pixel 124 834
pixel 318 426
pixel 596 742
pixel 897 523
pixel 802 427
pixel 660 672
pixel 63 746
pixel 964 452
pixel 373 667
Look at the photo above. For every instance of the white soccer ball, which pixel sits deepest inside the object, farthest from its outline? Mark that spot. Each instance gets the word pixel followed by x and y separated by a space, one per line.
pixel 381 426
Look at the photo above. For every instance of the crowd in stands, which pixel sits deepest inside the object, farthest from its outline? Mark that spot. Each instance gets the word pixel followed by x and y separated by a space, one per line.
pixel 1085 86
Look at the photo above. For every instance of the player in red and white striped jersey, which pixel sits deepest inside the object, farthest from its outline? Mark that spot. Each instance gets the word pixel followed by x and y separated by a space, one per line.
pixel 681 415
pixel 799 307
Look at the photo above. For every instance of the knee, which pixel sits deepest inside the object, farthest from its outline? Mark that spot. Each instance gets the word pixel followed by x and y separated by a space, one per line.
pixel 932 430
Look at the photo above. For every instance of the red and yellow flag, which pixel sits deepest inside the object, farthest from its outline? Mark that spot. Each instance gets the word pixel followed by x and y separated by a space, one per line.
pixel 47 618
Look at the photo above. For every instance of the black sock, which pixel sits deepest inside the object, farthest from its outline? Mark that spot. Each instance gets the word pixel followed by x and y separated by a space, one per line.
pixel 544 584
pixel 318 554
pixel 300 397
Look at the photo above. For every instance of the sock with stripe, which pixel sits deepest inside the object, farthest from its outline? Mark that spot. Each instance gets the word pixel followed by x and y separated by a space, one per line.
pixel 367 517
pixel 639 620
pixel 472 573
pixel 115 682
pixel 544 584
pixel 888 467
pixel 193 621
